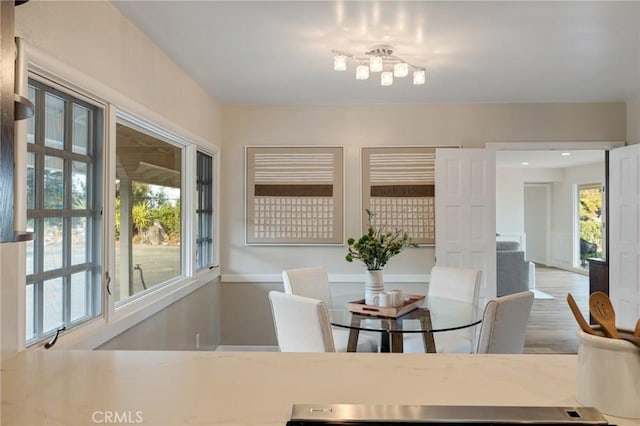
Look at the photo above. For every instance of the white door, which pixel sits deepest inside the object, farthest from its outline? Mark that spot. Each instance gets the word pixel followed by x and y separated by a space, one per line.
pixel 624 242
pixel 465 213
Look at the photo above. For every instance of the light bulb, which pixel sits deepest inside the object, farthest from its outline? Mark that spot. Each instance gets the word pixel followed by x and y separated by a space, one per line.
pixel 375 64
pixel 419 77
pixel 340 63
pixel 386 78
pixel 362 72
pixel 401 69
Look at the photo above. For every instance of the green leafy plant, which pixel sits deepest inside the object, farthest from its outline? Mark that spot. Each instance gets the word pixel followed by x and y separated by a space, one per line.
pixel 140 217
pixel 378 245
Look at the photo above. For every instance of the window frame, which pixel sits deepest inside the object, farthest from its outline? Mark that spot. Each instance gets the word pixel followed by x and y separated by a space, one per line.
pixel 159 134
pixel 39 213
pixel 172 290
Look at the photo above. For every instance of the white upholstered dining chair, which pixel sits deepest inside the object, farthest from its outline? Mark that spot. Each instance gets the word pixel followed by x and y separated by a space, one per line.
pixel 314 283
pixel 308 282
pixel 504 324
pixel 461 284
pixel 301 323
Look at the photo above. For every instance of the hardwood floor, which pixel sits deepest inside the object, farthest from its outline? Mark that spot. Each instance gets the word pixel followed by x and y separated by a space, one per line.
pixel 552 328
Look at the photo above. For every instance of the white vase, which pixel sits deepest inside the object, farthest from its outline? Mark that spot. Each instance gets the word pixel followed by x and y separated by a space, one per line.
pixel 373 285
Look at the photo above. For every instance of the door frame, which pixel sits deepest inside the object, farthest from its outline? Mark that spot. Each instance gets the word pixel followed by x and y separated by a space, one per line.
pixel 554 146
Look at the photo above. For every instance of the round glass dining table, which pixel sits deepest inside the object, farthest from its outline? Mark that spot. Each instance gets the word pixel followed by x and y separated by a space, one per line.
pixel 432 315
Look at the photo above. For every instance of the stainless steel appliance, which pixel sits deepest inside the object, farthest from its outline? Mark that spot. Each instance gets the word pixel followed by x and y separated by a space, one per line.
pixel 380 414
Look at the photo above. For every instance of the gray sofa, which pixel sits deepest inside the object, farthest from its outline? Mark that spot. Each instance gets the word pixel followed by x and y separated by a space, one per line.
pixel 512 269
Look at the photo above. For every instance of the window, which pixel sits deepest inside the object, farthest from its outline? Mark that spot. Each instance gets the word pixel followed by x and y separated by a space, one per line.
pixel 590 222
pixel 63 263
pixel 204 211
pixel 109 241
pixel 148 213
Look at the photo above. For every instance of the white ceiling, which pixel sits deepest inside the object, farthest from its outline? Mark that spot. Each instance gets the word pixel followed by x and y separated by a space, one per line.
pixel 279 52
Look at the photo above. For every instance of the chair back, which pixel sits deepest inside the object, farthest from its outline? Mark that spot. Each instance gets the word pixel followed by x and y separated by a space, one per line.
pixel 301 324
pixel 308 282
pixel 461 284
pixel 504 324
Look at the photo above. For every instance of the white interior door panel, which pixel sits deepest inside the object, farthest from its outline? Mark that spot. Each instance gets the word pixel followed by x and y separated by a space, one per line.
pixel 465 213
pixel 624 241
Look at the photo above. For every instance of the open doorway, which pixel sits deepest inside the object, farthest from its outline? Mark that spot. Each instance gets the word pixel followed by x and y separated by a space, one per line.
pixel 550 323
pixel 536 202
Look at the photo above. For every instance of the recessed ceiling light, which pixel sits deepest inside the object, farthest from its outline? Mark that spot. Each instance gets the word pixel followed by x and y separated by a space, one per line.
pixel 524 163
pixel 565 154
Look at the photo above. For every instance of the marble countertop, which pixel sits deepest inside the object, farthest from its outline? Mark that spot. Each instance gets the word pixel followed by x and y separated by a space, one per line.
pixel 251 388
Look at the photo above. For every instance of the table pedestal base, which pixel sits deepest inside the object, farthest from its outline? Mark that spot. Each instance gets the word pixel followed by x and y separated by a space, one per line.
pixel 392 339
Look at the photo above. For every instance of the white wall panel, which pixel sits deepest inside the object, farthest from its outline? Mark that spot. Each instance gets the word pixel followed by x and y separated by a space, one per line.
pixel 453 258
pixel 454 223
pixel 478 231
pixel 480 179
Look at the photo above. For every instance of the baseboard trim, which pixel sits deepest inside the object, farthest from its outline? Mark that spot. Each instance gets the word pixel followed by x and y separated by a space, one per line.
pixel 246 348
pixel 333 278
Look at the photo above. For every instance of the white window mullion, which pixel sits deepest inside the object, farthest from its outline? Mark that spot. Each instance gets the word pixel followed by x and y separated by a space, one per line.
pixel 189 204
pixel 54 292
pixel 108 213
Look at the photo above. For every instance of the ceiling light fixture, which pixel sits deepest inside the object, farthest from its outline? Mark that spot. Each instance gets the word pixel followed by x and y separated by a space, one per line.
pixel 565 154
pixel 340 63
pixel 379 59
pixel 362 72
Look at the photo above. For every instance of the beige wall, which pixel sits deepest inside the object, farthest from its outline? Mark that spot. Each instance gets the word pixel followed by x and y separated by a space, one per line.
pixel 176 326
pixel 241 325
pixel 95 43
pixel 95 39
pixel 633 121
pixel 468 125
